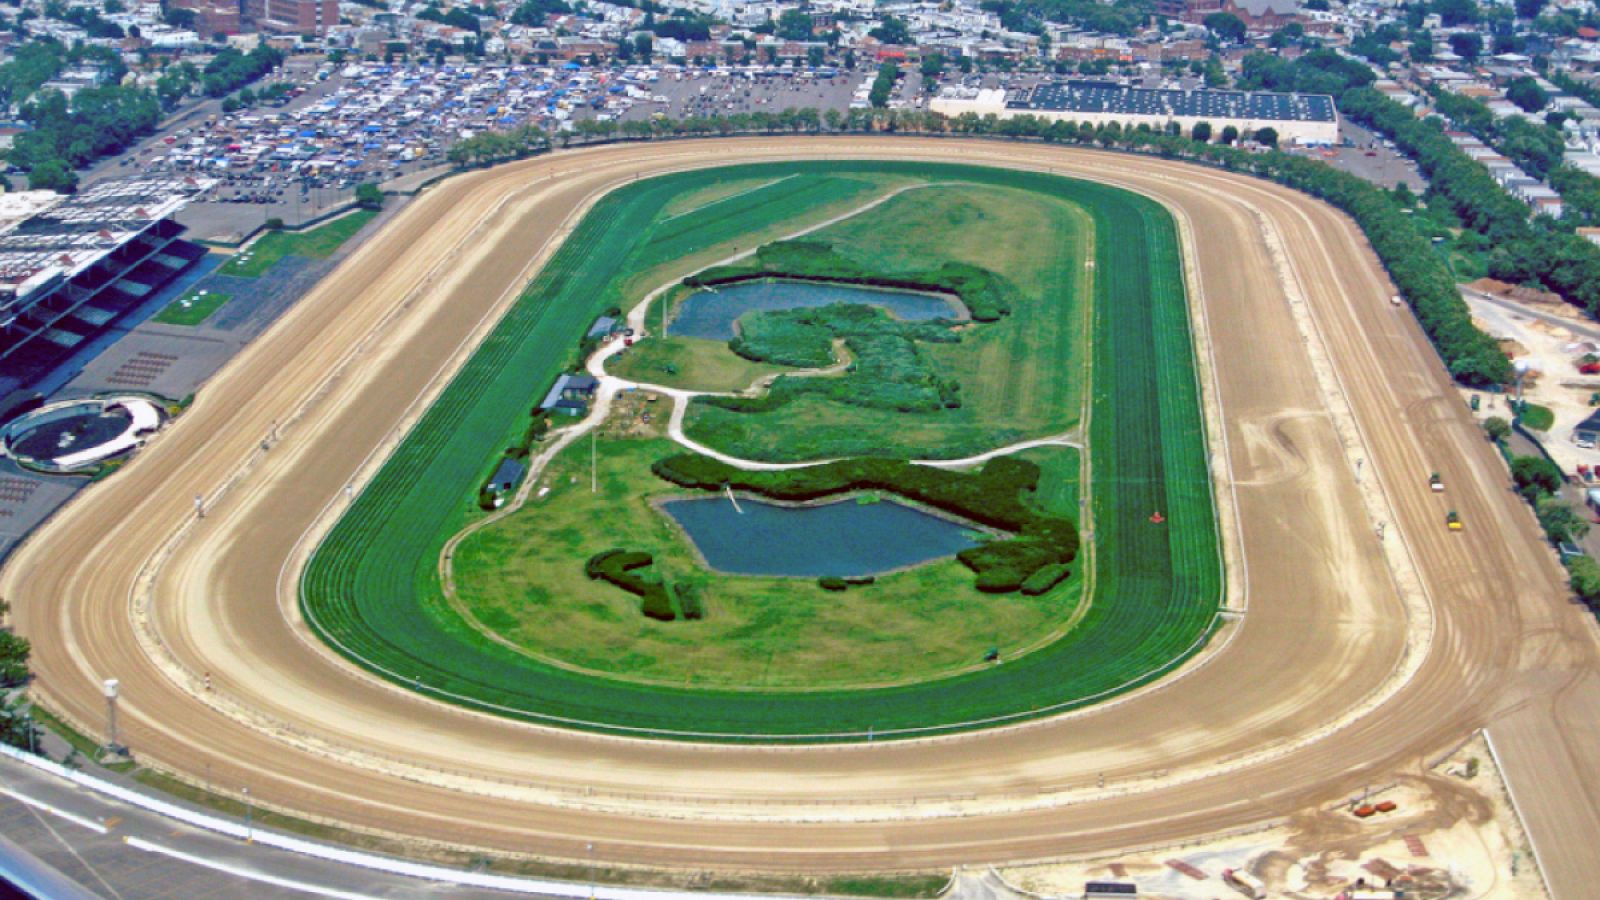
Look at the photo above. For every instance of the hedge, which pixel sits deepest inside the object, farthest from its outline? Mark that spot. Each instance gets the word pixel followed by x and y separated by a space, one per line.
pixel 620 567
pixel 1044 579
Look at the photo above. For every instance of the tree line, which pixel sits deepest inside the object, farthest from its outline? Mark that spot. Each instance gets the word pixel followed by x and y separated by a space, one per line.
pixel 1471 356
pixel 102 121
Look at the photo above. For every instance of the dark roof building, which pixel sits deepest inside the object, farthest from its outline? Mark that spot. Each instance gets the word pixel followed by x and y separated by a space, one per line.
pixel 1083 95
pixel 1297 118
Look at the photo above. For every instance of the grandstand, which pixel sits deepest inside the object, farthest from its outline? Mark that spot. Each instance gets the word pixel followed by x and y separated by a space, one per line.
pixel 68 270
pixel 1298 118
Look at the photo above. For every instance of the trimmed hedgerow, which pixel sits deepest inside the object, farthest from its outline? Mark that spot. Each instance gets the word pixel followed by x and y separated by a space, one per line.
pixel 621 568
pixel 832 583
pixel 1044 579
pixel 995 495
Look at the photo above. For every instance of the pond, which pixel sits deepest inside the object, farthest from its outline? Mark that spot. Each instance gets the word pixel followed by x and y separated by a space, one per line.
pixel 845 539
pixel 711 313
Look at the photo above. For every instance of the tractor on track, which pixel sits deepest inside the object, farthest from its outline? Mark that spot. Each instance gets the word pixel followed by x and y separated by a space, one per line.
pixel 1452 521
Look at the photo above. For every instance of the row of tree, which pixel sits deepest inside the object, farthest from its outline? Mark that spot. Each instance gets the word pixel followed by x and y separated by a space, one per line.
pixel 16 726
pixel 103 121
pixel 1525 251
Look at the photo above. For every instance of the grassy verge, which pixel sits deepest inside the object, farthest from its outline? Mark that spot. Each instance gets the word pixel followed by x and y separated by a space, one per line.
pixel 523 577
pixel 77 740
pixel 317 243
pixel 908 886
pixel 193 308
pixel 371 587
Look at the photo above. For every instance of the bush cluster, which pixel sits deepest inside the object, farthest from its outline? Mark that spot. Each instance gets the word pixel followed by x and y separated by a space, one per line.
pixel 996 496
pixel 887 372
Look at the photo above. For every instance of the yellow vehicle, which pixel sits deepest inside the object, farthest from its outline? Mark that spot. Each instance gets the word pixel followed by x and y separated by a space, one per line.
pixel 1452 521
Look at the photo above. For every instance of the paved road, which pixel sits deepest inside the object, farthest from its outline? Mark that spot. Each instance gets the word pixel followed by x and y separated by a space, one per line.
pixel 1357 656
pixel 116 850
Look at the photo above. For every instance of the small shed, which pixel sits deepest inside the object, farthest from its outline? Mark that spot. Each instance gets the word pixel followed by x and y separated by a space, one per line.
pixel 581 387
pixel 556 392
pixel 507 476
pixel 1588 431
pixel 602 327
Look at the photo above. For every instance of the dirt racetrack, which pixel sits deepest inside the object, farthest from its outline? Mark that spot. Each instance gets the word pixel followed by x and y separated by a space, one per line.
pixel 1356 655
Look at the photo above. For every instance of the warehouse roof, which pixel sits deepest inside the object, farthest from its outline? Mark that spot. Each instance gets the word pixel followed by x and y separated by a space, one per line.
pixel 1083 95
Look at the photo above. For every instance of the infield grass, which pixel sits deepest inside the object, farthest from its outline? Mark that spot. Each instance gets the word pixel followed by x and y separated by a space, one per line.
pixel 371 588
pixel 1020 377
pixel 317 243
pixel 523 578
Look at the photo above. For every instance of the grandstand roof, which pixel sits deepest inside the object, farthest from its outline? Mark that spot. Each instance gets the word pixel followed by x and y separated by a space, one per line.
pixel 1084 95
pixel 62 240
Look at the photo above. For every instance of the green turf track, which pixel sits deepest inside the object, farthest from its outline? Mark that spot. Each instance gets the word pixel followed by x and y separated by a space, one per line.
pixel 372 591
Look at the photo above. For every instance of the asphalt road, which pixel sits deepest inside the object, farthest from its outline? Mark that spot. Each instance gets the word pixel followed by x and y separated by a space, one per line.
pixel 1357 656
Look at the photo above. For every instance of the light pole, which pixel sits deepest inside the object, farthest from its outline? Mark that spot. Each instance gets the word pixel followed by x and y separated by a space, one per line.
pixel 249 837
pixel 110 687
pixel 590 848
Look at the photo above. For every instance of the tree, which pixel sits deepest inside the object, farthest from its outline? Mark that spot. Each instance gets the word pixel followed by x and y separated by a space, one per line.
pixel 891 31
pixel 1583 573
pixel 1560 521
pixel 1422 47
pixel 1229 134
pixel 53 175
pixel 1456 12
pixel 1201 132
pixel 794 25
pixel 14 651
pixel 932 65
pixel 815 57
pixel 644 47
pixel 883 85
pixel 1466 44
pixel 1529 9
pixel 534 12
pixel 1535 476
pixel 1496 428
pixel 1267 137
pixel 179 17
pixel 1227 27
pixel 369 196
pixel 1526 93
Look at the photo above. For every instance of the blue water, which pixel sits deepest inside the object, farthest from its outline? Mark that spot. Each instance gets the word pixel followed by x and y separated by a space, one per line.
pixel 711 314
pixel 843 539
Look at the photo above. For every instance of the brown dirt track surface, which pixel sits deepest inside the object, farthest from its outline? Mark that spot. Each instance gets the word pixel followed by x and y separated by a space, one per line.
pixel 1337 675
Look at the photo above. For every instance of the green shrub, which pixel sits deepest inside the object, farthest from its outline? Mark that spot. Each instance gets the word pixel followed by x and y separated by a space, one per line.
pixel 658 605
pixel 832 583
pixel 689 602
pixel 1044 579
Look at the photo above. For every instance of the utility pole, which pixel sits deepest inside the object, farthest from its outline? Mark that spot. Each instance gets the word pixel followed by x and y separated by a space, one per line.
pixel 249 834
pixel 110 688
pixel 594 459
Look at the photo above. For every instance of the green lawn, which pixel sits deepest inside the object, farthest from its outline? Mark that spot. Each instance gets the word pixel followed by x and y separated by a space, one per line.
pixel 694 364
pixel 1536 417
pixel 371 587
pixel 318 243
pixel 193 308
pixel 1019 377
pixel 690 201
pixel 523 578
